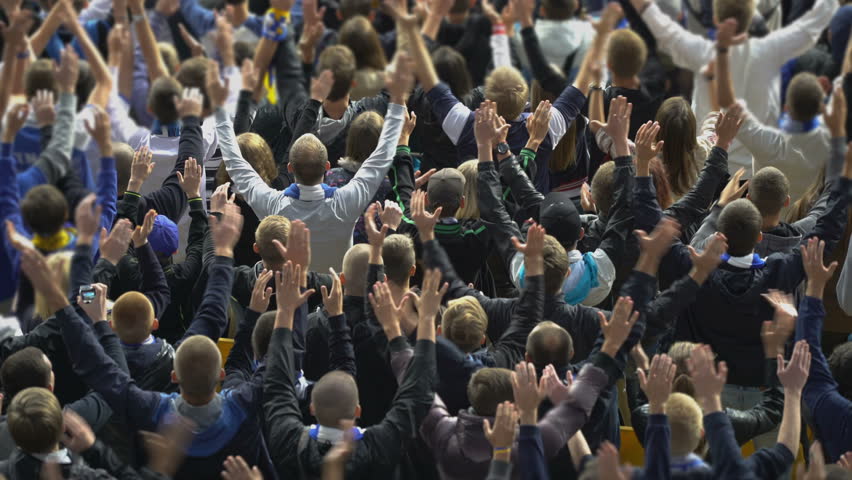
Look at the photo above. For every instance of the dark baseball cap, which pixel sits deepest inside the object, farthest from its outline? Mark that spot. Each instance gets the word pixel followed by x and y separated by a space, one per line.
pixel 559 216
pixel 445 187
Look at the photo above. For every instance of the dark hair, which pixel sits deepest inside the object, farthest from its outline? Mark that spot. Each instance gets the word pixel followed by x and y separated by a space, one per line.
pixel 193 73
pixel 451 68
pixel 548 344
pixel 677 130
pixel 262 333
pixel 23 369
pixel 351 8
pixel 363 136
pixel 161 99
pixel 489 387
pixel 341 61
pixel 804 97
pixel 85 84
pixel 740 222
pixel 243 50
pixel 559 9
pixel 840 363
pixel 358 34
pixel 768 190
pixel 460 6
pixel 44 210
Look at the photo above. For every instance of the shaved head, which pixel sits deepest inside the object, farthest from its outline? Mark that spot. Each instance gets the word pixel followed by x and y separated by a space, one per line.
pixel 197 365
pixel 335 398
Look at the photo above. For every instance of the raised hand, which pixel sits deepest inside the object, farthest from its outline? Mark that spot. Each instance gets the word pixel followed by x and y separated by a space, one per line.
pixel 96 310
pixel 527 393
pixel 618 124
pixel 388 312
pixel 726 35
pixel 226 230
pixel 140 235
pixel 407 127
pixel 647 146
pixel 658 243
pixel 375 235
pixel 250 75
pixel 288 294
pixel 818 274
pixel 609 465
pixel 424 220
pixel 617 328
pixel 733 190
pixel 533 250
pixel 483 126
pixel 728 125
pixel 237 469
pixel 298 247
pixel 502 435
pixel 391 214
pixel 217 91
pixel 119 41
pixel 69 70
pixel 16 117
pixel 190 179
pixel 845 461
pixel 321 86
pixel 333 301
pixel 400 80
pixel 609 19
pixel 835 117
pixel 114 246
pixel 101 130
pixel 555 390
pixel 261 293
pixel 87 219
pixel 401 15
pixel 657 384
pixel 421 179
pixel 224 40
pixel 775 334
pixel 704 263
pixel 795 374
pixel 167 448
pixel 220 198
pixel 587 202
pixel 77 435
pixel 538 124
pixel 140 168
pixel 708 380
pixel 429 303
pixel 43 106
pixel 190 104
pixel 816 469
pixel 34 265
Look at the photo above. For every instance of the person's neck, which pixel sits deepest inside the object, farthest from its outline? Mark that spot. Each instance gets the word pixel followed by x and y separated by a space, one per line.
pixel 240 14
pixel 771 222
pixel 357 291
pixel 457 18
pixel 632 83
pixel 398 291
pixel 336 108
pixel 197 400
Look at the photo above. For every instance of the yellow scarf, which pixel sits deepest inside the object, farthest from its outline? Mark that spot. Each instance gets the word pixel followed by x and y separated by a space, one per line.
pixel 55 242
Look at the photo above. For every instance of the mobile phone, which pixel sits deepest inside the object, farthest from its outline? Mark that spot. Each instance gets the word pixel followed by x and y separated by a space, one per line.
pixel 87 293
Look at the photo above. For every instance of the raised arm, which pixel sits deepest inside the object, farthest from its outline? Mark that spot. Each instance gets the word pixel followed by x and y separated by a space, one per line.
pixel 147 42
pixel 154 284
pixel 103 78
pixel 611 15
pixel 726 37
pixel 688 50
pixel 341 353
pixel 796 38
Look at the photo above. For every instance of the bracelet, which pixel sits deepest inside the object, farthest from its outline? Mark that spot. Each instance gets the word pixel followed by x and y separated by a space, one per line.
pixel 137 17
pixel 502 449
pixel 721 49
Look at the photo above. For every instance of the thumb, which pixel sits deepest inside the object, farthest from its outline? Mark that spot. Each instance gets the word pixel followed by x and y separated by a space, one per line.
pixel 180 177
pixel 486 427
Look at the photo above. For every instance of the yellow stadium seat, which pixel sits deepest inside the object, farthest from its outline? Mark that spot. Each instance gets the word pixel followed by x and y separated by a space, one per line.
pixel 631 450
pixel 225 346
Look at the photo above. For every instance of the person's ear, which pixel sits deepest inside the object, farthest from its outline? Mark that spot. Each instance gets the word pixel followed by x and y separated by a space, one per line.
pixel 787 201
pixel 340 16
pixel 358 411
pixel 786 108
pixel 255 248
pixel 582 234
pixel 174 378
pixel 312 409
pixel 342 278
pixel 759 237
pixel 438 330
pixel 290 167
pixel 221 374
pixel 527 357
pixel 155 325
pixel 327 165
pixel 462 201
pixel 412 270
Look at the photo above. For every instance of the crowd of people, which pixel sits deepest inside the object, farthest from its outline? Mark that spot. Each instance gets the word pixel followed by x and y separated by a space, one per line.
pixel 437 239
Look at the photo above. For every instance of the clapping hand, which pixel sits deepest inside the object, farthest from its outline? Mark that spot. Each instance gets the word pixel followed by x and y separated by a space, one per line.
pixel 387 312
pixel 707 378
pixel 424 220
pixel 795 374
pixel 818 273
pixel 774 334
pixel 618 327
pixel 647 147
pixel 140 235
pixel 502 435
pixel 527 392
pixel 190 179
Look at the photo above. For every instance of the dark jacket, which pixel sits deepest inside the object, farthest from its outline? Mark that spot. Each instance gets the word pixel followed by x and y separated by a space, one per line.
pixel 96 463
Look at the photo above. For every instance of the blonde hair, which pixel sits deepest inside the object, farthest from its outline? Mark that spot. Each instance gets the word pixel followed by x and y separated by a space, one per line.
pixel 257 153
pixel 626 53
pixel 273 227
pixel 464 323
pixel 42 310
pixel 470 170
pixel 35 420
pixel 170 56
pixel 308 158
pixel 197 365
pixel 507 87
pixel 685 420
pixel 132 317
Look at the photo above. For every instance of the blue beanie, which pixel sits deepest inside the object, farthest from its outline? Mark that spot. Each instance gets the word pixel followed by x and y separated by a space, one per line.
pixel 839 28
pixel 164 237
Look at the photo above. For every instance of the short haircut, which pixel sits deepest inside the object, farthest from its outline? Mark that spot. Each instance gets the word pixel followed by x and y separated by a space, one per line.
pixel 44 210
pixel 603 187
pixel 132 317
pixel 559 9
pixel 489 387
pixel 170 56
pixel 556 265
pixel 123 154
pixel 161 99
pixel 193 74
pixel 398 256
pixel 680 352
pixel 41 75
pixel 470 170
pixel 686 422
pixel 262 333
pixel 197 365
pixel 363 136
pixel 460 6
pixel 24 369
pixel 740 222
pixel 464 323
pixel 548 343
pixel 626 53
pixel 840 363
pixel 243 51
pixel 35 421
pixel 273 227
pixel 740 10
pixel 768 190
pixel 341 61
pixel 257 153
pixel 355 265
pixel 358 34
pixel 335 398
pixel 804 97
pixel 350 8
pixel 507 87
pixel 309 159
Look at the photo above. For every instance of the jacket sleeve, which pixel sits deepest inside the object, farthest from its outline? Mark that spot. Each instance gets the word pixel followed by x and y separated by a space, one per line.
pixel 185 274
pixel 764 416
pixel 240 362
pixel 499 470
pixel 493 212
pixel 170 199
pixel 549 78
pixel 763 141
pixel 513 171
pixel 154 284
pixel 665 309
pixel 566 108
pixel 688 50
pixel 246 108
pixel 509 349
pixel 697 200
pixel 658 448
pixel 401 176
pixel 456 119
pixel 720 437
pixel 831 412
pixel 796 38
pixel 646 214
pixel 341 353
pixel 708 228
pixel 212 316
pixel 107 192
pixel 100 456
pixel 532 463
pixel 55 160
pixel 81 272
pixel 438 425
pixel 614 240
pixel 844 283
pixel 351 200
pixel 103 375
pixel 128 207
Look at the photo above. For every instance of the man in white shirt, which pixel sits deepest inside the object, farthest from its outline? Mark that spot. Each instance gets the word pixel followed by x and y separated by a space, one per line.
pixel 755 63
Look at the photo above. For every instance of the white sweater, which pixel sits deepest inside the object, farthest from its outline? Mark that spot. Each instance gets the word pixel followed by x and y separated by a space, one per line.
pixel 331 220
pixel 755 65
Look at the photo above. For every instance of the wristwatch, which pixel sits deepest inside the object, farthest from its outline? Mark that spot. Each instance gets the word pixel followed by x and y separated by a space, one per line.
pixel 502 148
pixel 595 86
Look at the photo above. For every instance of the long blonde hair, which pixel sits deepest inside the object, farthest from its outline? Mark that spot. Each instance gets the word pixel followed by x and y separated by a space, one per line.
pixel 470 170
pixel 42 310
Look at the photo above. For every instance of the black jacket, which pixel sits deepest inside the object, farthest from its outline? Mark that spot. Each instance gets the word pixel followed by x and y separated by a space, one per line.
pixel 96 463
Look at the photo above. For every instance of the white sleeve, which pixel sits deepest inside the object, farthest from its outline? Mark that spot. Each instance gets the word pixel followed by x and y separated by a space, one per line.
pixel 262 198
pixel 606 277
pixel 844 283
pixel 795 39
pixel 97 10
pixel 235 84
pixel 762 141
pixel 124 128
pixel 688 50
pixel 500 46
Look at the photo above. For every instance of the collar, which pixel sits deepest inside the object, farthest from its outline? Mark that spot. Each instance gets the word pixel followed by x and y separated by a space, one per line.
pixel 332 435
pixel 751 261
pixel 57 241
pixel 202 415
pixel 148 341
pixel 60 456
pixel 309 193
pixel 165 129
pixel 687 463
pixel 789 125
pixel 448 221
pixel 574 256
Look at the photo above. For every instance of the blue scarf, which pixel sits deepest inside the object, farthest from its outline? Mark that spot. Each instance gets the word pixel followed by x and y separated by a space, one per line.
pixel 357 433
pixel 789 125
pixel 293 191
pixel 756 261
pixel 582 279
pixel 171 129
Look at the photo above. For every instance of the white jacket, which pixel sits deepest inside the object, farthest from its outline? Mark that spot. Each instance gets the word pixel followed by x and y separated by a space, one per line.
pixel 755 65
pixel 331 220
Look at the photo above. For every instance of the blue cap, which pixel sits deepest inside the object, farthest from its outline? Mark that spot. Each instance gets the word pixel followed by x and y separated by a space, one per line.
pixel 164 238
pixel 839 28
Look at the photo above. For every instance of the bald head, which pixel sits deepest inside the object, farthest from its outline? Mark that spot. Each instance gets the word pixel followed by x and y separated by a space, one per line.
pixel 335 398
pixel 308 160
pixel 549 343
pixel 197 365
